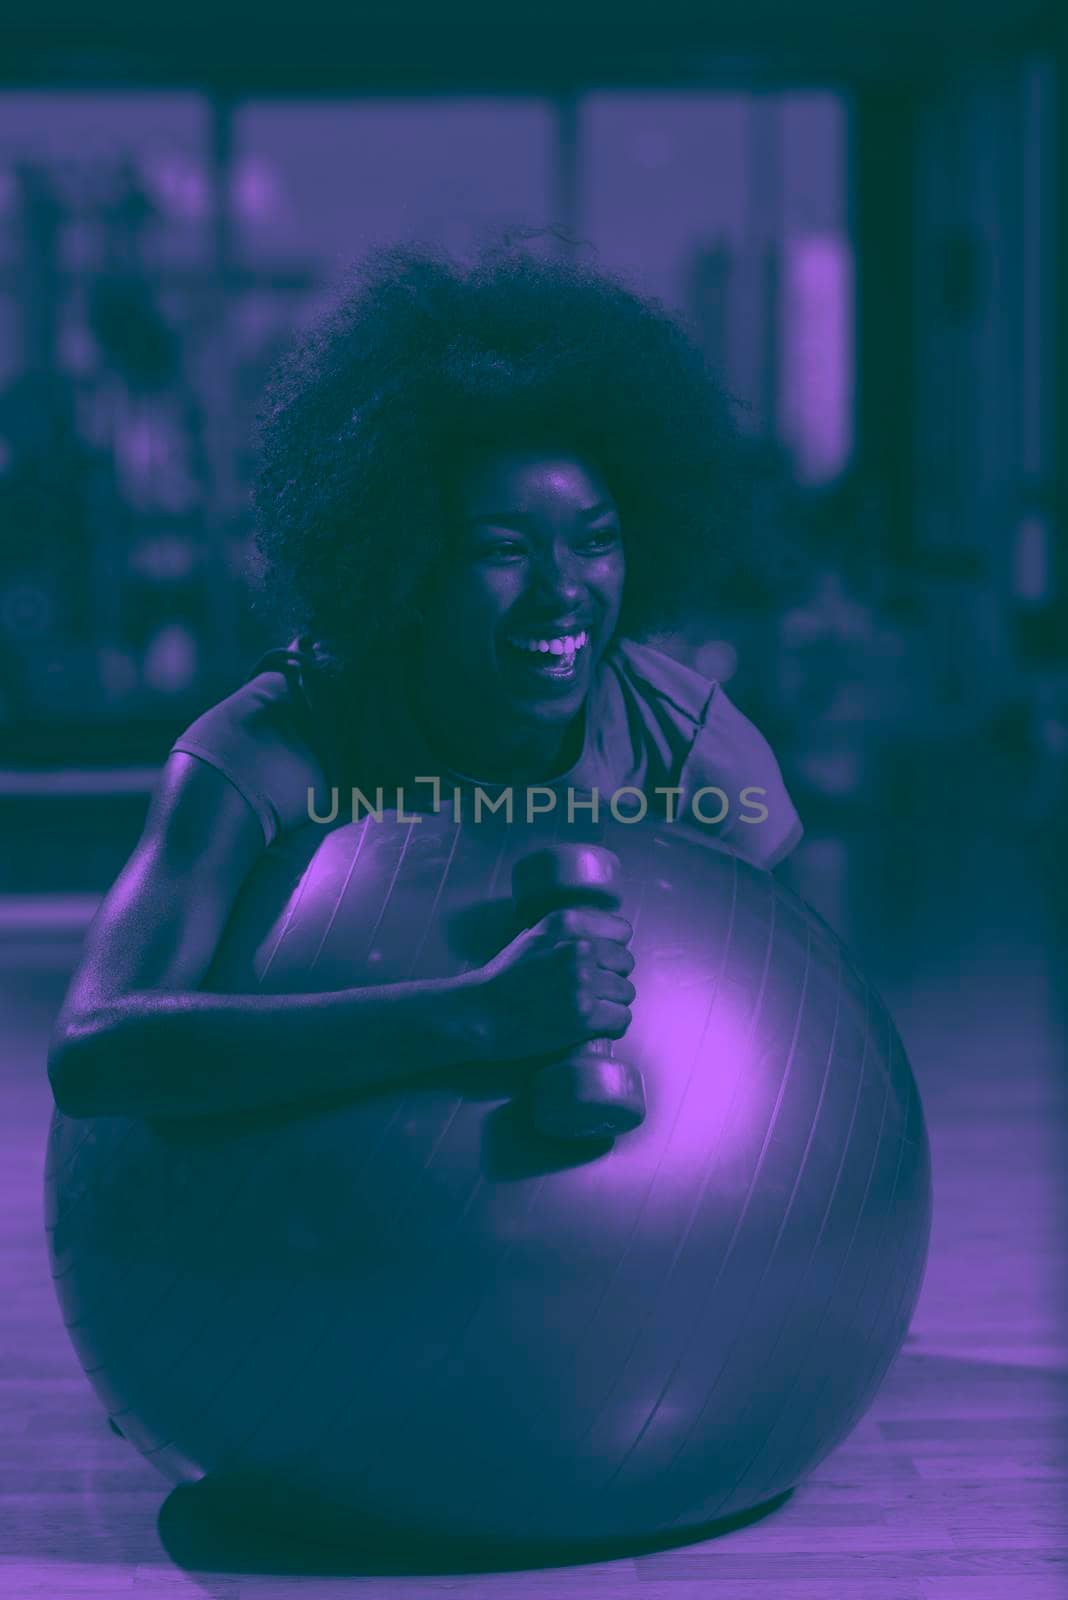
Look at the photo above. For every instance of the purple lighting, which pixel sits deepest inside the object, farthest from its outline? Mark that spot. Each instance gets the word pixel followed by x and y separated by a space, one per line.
pixel 459 1246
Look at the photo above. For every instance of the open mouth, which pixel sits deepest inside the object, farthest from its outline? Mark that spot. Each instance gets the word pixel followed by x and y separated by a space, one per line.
pixel 553 658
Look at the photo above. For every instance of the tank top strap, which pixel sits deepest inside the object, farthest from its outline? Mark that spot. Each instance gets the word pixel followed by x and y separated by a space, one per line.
pixel 310 698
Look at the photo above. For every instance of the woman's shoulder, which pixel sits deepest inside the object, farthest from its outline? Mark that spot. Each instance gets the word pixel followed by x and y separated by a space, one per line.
pixel 700 743
pixel 662 678
pixel 261 738
pixel 264 706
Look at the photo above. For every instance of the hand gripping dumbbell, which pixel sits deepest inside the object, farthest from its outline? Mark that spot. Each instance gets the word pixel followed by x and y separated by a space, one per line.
pixel 587 1093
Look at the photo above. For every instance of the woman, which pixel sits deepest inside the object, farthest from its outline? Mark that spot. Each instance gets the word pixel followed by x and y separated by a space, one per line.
pixel 478 489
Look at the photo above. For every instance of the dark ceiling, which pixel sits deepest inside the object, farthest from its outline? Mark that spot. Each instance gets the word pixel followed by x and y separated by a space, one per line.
pixel 470 44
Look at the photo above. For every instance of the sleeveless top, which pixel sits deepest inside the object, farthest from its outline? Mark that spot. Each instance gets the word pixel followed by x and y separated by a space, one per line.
pixel 294 743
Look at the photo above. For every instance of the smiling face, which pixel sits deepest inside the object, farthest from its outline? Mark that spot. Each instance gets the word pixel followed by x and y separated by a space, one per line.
pixel 529 598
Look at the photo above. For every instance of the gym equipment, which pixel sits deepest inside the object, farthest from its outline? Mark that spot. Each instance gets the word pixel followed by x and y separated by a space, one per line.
pixel 409 1310
pixel 587 1094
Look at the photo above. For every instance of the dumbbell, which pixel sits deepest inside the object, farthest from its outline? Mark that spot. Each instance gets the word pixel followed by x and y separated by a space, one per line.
pixel 587 1093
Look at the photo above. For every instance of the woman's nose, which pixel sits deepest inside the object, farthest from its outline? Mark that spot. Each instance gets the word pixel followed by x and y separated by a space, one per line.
pixel 555 576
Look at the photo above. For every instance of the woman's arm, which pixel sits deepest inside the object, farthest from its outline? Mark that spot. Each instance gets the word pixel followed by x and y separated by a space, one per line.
pixel 136 1037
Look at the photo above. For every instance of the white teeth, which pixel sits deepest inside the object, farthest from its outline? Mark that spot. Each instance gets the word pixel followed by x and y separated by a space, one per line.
pixel 566 645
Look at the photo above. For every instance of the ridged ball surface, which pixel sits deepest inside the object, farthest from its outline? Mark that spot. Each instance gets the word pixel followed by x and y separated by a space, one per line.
pixel 405 1308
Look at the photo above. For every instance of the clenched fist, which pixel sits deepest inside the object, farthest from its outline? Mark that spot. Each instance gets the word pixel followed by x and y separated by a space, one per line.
pixel 559 983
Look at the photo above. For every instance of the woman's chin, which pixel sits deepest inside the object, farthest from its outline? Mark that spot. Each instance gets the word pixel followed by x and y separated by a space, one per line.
pixel 540 709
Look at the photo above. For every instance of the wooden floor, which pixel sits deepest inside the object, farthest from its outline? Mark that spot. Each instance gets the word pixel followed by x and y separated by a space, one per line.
pixel 954 1485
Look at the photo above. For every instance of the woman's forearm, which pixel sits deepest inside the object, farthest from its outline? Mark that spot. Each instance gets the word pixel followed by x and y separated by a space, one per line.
pixel 194 1054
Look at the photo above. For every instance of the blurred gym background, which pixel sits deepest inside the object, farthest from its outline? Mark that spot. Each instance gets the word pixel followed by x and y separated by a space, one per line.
pixel 863 225
pixel 869 253
pixel 861 213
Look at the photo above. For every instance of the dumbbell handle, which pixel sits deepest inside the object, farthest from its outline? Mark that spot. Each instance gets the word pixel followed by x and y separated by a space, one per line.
pixel 587 1093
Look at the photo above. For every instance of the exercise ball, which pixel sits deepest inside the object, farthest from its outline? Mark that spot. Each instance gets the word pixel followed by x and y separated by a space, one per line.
pixel 406 1308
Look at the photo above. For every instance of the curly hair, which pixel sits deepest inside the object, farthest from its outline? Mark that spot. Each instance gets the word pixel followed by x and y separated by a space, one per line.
pixel 420 361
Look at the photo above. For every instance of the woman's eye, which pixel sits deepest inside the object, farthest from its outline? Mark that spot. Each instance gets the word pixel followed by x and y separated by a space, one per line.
pixel 602 539
pixel 503 550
